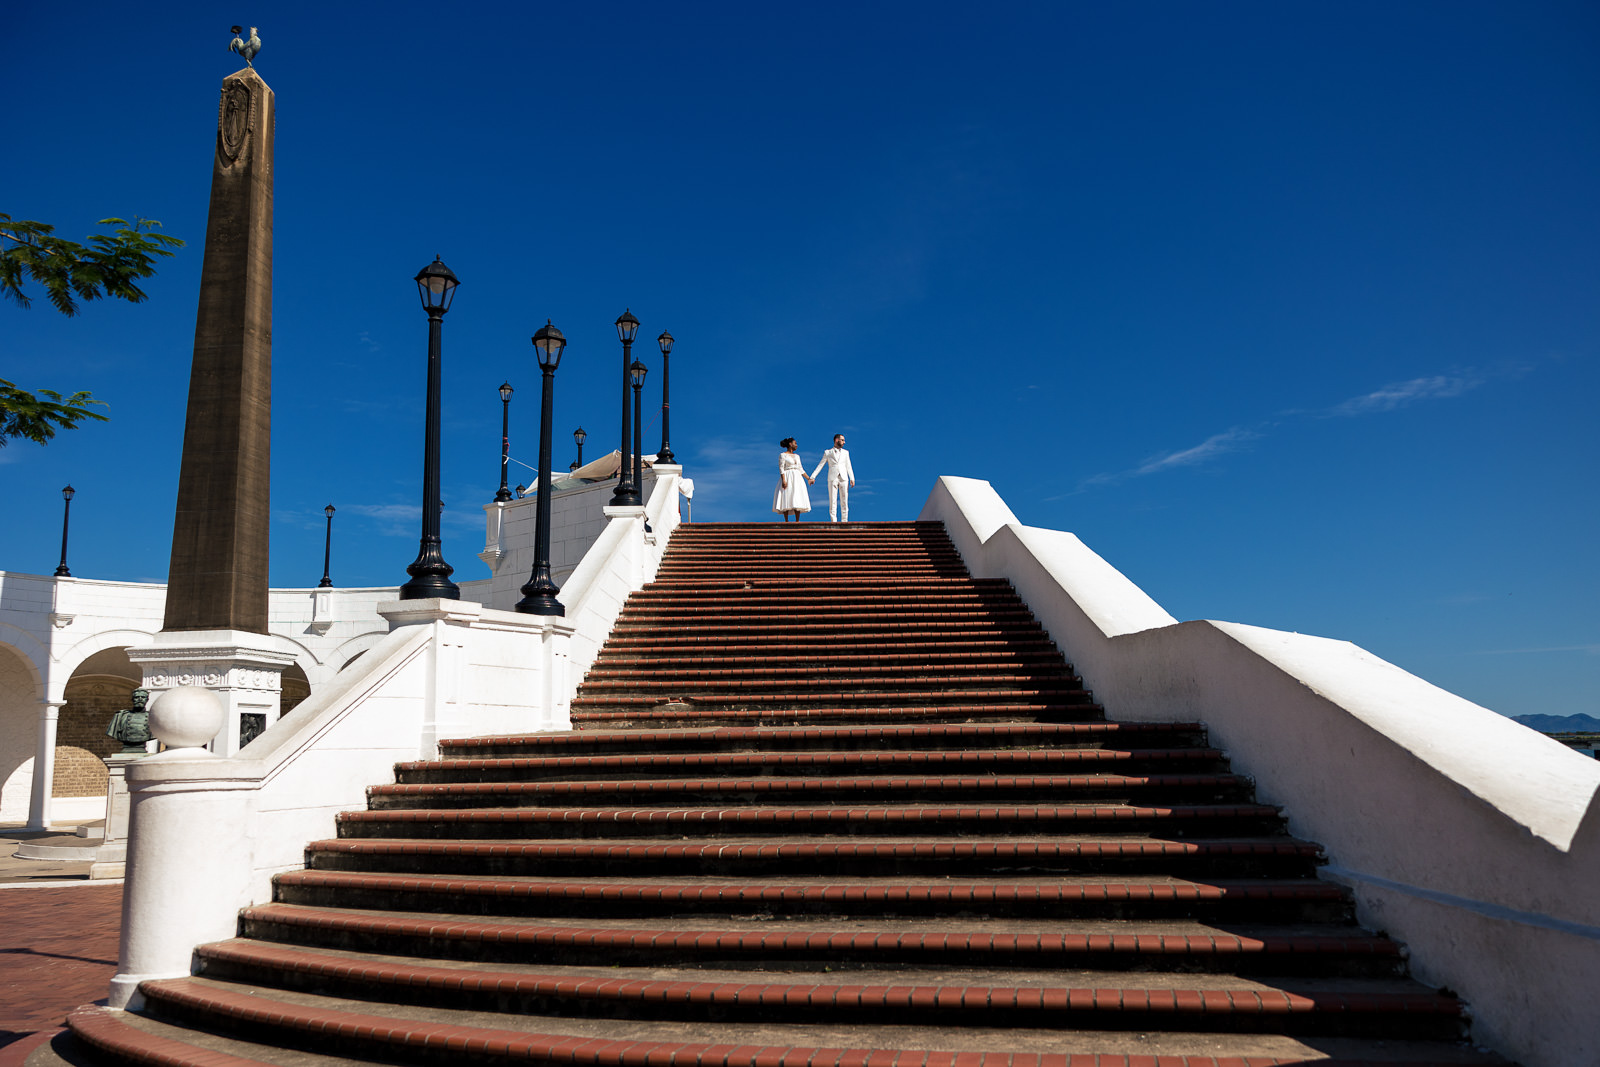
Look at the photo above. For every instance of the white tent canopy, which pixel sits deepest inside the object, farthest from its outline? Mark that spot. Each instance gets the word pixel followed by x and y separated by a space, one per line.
pixel 598 470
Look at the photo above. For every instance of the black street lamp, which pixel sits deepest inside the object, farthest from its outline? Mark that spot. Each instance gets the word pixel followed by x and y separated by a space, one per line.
pixel 66 513
pixel 665 455
pixel 578 438
pixel 327 550
pixel 636 371
pixel 627 494
pixel 430 574
pixel 539 595
pixel 505 438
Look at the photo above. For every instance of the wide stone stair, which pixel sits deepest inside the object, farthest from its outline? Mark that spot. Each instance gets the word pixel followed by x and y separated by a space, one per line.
pixel 830 802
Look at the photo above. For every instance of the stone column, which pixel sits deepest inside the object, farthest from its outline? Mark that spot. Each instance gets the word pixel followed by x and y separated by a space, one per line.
pixel 189 868
pixel 448 662
pixel 215 628
pixel 494 539
pixel 218 575
pixel 44 764
pixel 633 514
pixel 555 698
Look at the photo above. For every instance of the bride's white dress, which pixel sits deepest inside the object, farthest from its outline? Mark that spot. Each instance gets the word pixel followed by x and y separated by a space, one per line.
pixel 795 497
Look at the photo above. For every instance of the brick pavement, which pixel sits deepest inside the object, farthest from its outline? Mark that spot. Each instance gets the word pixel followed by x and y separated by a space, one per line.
pixel 58 937
pixel 58 949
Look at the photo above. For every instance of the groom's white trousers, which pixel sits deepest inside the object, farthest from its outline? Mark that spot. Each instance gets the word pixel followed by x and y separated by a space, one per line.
pixel 838 500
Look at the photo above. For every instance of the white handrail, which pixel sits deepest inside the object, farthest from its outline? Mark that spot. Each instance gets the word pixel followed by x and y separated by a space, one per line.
pixel 1467 835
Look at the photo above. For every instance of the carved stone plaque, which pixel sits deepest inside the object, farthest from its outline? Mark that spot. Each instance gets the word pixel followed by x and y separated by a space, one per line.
pixel 235 122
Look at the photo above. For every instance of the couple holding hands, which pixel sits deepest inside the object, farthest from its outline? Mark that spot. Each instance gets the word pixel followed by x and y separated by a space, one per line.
pixel 791 497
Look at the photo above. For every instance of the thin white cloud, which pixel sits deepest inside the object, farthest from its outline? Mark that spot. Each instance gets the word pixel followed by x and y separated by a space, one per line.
pixel 301 519
pixel 729 468
pixel 1216 445
pixel 405 520
pixel 1213 446
pixel 1400 394
pixel 392 520
pixel 1391 397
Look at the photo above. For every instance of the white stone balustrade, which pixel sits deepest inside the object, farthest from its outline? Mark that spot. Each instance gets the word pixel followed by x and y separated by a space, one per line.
pixel 1468 836
pixel 208 833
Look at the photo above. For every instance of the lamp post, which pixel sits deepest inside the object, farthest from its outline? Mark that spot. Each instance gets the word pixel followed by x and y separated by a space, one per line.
pixel 66 513
pixel 665 455
pixel 327 550
pixel 636 372
pixel 539 595
pixel 578 438
pixel 505 438
pixel 430 574
pixel 627 493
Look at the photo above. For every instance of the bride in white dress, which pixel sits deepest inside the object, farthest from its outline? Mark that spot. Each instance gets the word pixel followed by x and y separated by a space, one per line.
pixel 791 498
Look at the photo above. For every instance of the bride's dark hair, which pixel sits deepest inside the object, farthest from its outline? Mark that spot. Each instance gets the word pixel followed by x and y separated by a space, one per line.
pixel 786 442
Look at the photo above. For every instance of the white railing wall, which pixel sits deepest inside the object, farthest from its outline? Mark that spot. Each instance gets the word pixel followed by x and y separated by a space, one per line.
pixel 208 833
pixel 1471 838
pixel 577 518
pixel 51 626
pixel 624 558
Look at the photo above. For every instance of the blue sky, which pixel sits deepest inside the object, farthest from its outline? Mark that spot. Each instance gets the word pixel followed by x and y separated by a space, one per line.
pixel 1290 311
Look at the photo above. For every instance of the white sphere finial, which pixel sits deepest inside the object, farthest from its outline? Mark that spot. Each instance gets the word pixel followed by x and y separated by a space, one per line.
pixel 186 717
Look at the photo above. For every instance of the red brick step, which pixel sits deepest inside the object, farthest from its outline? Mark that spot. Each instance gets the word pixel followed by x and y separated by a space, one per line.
pixel 909 827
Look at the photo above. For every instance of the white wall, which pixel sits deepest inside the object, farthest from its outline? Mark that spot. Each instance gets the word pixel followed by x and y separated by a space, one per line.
pixel 54 624
pixel 448 669
pixel 1468 836
pixel 622 560
pixel 577 518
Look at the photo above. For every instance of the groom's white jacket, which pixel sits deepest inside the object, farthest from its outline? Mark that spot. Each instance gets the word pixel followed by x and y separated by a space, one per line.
pixel 837 461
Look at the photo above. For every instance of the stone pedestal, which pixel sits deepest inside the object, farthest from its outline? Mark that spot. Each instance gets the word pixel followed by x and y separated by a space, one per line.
pixel 633 514
pixel 117 795
pixel 241 668
pixel 321 610
pixel 188 873
pixel 494 543
pixel 111 857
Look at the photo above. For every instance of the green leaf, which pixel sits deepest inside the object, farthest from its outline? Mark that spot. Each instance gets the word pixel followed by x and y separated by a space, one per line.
pixel 37 417
pixel 29 252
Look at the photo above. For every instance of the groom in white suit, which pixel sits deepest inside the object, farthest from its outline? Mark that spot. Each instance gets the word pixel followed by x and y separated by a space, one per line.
pixel 841 476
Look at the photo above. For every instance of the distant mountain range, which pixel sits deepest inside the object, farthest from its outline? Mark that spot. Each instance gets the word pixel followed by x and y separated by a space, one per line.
pixel 1560 724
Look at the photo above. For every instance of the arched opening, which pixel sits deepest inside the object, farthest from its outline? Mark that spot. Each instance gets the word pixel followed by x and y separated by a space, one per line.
pixel 296 687
pixel 20 694
pixel 102 684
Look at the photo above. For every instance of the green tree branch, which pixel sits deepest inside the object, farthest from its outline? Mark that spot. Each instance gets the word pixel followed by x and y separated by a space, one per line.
pixel 108 266
pixel 37 418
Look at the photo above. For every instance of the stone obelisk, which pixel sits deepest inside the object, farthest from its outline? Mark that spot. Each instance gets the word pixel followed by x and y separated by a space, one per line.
pixel 218 576
pixel 214 633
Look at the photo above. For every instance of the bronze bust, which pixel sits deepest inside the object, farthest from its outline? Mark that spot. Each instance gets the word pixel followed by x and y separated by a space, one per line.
pixel 131 726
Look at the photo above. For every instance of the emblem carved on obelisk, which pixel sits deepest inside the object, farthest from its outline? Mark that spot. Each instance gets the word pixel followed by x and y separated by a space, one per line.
pixel 234 120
